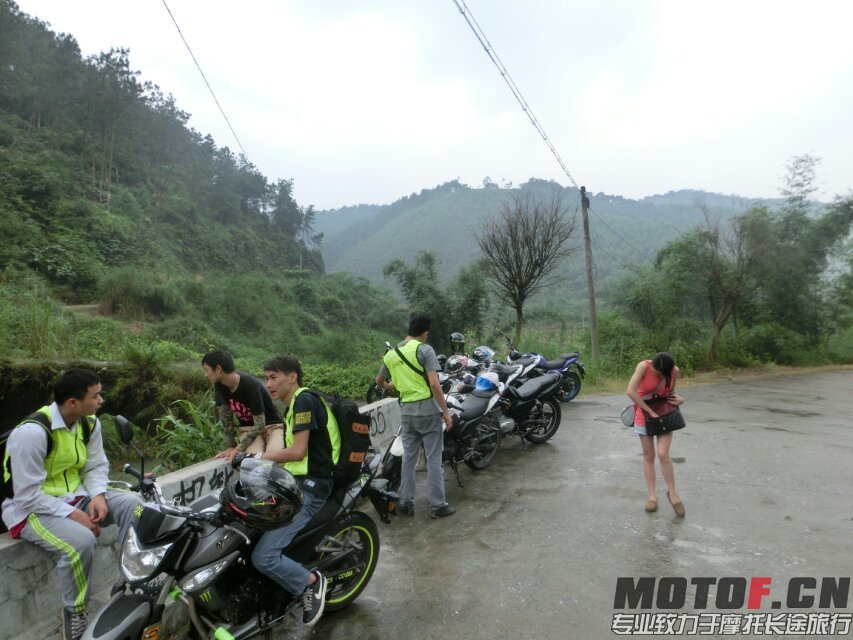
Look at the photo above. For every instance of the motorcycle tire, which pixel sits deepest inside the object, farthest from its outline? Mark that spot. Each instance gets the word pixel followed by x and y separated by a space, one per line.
pixel 487 447
pixel 349 579
pixel 547 423
pixel 569 388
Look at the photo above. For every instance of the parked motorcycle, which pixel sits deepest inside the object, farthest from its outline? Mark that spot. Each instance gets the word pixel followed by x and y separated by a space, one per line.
pixel 474 438
pixel 528 407
pixel 186 570
pixel 567 364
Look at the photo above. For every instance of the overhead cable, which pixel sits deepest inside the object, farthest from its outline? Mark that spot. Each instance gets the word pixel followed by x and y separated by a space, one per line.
pixel 493 55
pixel 209 88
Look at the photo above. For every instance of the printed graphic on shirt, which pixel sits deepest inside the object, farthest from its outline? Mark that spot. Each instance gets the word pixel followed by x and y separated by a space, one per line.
pixel 243 413
pixel 302 418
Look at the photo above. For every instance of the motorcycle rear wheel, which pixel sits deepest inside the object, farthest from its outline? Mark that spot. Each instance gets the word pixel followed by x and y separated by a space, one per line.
pixel 546 424
pixel 487 446
pixel 569 388
pixel 351 575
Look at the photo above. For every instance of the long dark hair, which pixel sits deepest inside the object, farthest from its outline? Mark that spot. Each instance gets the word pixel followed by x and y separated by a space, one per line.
pixel 665 363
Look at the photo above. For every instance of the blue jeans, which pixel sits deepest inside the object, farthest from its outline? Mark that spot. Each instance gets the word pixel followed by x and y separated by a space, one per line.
pixel 268 557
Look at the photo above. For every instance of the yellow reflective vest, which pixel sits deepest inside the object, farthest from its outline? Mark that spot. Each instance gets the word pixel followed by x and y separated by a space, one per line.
pixel 411 386
pixel 300 467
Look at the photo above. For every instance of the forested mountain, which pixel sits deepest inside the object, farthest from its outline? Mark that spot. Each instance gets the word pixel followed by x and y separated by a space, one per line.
pixel 446 219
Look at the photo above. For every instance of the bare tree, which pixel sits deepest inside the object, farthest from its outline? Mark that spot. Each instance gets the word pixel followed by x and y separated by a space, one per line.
pixel 523 246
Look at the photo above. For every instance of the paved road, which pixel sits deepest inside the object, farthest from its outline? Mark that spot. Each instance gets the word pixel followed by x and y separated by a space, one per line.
pixel 540 537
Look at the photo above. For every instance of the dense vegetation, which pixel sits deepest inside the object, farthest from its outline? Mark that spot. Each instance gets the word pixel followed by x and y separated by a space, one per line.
pixel 108 199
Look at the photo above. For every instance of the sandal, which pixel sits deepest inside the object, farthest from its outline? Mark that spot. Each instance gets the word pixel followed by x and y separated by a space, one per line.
pixel 651 505
pixel 678 507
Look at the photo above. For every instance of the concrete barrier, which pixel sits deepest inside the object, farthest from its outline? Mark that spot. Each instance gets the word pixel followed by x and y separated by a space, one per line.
pixel 29 596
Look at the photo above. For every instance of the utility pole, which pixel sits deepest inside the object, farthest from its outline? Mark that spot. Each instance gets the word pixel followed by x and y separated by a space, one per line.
pixel 593 319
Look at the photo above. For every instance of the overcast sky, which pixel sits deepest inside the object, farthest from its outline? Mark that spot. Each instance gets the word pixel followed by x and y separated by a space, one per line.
pixel 365 101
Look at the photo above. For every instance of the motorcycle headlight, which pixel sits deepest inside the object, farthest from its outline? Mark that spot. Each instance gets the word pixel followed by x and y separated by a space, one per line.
pixel 138 563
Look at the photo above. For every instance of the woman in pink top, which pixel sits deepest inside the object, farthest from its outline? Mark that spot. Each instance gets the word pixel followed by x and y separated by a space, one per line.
pixel 657 375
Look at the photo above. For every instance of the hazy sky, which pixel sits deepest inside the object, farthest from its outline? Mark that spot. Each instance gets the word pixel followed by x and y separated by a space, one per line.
pixel 365 101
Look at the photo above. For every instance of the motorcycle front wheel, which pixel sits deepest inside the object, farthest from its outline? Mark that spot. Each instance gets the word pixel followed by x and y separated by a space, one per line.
pixel 546 424
pixel 487 441
pixel 569 388
pixel 348 577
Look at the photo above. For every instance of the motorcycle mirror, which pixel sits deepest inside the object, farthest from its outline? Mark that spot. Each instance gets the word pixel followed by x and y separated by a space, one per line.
pixel 387 344
pixel 124 429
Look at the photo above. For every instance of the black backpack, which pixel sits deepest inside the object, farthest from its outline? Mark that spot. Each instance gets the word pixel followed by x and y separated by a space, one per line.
pixel 39 418
pixel 354 427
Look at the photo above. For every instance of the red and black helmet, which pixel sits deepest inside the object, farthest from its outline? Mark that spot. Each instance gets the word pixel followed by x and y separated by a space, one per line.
pixel 263 496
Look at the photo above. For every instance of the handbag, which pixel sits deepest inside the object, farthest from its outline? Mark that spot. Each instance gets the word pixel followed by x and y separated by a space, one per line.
pixel 627 414
pixel 669 419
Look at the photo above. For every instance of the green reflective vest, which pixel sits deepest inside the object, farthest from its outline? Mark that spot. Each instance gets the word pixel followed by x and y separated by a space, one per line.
pixel 411 385
pixel 66 458
pixel 300 467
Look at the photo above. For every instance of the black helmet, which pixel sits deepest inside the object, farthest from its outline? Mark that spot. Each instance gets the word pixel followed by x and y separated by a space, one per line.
pixel 457 342
pixel 263 496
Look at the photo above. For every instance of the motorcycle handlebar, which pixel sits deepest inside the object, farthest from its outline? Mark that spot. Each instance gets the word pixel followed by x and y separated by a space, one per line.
pixel 133 471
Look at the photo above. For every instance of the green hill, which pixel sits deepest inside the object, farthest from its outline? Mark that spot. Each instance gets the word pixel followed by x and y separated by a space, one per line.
pixel 108 198
pixel 445 220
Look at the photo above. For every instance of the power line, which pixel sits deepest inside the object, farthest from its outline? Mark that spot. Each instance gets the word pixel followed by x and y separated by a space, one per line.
pixel 209 88
pixel 616 233
pixel 493 56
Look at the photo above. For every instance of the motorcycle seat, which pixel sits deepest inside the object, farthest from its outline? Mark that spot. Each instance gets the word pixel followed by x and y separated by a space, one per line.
pixel 550 365
pixel 526 361
pixel 474 406
pixel 534 386
pixel 329 510
pixel 573 354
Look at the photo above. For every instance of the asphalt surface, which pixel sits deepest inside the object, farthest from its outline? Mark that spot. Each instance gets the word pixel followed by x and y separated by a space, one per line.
pixel 540 537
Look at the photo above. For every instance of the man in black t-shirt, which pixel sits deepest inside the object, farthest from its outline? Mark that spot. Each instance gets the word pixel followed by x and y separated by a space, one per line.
pixel 242 396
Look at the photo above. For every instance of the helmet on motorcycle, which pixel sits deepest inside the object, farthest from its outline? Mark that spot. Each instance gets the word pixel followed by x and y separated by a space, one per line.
pixel 456 363
pixel 442 359
pixel 486 382
pixel 457 342
pixel 483 353
pixel 263 496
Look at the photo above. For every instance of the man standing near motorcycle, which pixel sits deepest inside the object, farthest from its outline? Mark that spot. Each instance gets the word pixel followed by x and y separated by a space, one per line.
pixel 312 448
pixel 413 366
pixel 56 463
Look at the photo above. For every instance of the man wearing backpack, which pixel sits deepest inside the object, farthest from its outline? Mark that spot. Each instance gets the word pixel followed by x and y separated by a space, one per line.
pixel 57 469
pixel 412 365
pixel 312 449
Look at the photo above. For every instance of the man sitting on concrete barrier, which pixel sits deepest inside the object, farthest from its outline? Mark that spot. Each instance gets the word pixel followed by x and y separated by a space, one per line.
pixel 57 468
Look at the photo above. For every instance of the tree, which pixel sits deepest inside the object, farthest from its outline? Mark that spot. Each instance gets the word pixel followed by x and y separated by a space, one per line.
pixel 800 181
pixel 523 246
pixel 725 267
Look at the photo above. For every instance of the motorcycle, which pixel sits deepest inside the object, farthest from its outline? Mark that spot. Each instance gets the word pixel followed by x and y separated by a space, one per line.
pixel 567 364
pixel 528 407
pixel 186 569
pixel 474 438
